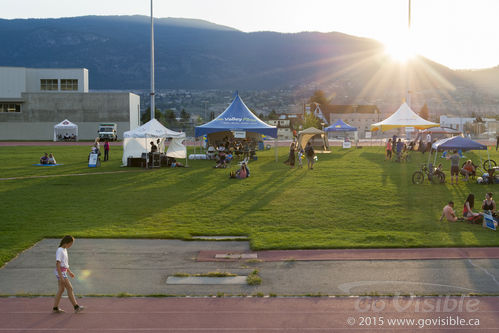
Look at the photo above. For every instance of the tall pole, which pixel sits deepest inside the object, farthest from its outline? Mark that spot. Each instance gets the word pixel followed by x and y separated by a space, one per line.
pixel 153 106
pixel 408 98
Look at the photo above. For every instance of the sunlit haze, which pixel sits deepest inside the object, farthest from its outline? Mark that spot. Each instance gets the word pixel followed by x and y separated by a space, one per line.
pixel 457 33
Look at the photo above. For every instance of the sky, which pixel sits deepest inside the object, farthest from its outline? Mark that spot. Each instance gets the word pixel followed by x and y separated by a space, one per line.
pixel 460 34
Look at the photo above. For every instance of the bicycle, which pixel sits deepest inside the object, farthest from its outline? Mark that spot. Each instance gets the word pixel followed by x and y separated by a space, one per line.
pixel 435 178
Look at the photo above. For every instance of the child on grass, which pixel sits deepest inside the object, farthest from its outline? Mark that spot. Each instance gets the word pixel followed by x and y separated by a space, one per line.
pixel 61 272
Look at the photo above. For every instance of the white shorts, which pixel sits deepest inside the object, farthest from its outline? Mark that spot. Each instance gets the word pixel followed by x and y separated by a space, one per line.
pixel 64 274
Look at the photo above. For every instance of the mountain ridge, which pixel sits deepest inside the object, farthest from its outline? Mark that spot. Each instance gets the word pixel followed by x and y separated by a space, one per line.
pixel 197 54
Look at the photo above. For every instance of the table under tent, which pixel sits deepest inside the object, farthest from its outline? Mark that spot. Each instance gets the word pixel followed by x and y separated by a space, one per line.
pixel 456 143
pixel 65 131
pixel 461 143
pixel 137 144
pixel 237 122
pixel 403 117
pixel 341 127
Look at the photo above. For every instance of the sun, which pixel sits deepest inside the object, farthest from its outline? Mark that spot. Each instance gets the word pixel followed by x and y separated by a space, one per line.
pixel 400 49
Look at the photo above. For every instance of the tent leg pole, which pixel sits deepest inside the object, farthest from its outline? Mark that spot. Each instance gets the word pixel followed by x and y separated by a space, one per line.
pixel 275 146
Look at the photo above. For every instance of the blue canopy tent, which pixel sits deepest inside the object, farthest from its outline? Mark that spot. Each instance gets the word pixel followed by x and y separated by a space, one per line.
pixel 237 117
pixel 456 143
pixel 459 143
pixel 340 126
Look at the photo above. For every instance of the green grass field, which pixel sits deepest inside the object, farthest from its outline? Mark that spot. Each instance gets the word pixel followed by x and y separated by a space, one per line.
pixel 352 199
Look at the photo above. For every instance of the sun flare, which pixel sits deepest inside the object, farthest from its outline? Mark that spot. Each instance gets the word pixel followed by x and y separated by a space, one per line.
pixel 401 48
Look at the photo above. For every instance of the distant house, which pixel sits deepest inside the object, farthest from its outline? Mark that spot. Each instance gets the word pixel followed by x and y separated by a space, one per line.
pixel 284 131
pixel 360 116
pixel 33 100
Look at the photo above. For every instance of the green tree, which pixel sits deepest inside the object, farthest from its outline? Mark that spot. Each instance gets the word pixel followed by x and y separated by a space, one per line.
pixel 146 116
pixel 424 112
pixel 171 117
pixel 273 115
pixel 310 120
pixel 319 97
pixel 185 117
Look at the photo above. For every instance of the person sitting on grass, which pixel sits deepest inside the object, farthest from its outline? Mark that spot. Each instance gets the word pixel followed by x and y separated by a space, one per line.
pixel 243 172
pixel 44 159
pixel 489 204
pixel 468 210
pixel 221 160
pixel 468 170
pixel 176 164
pixel 52 159
pixel 449 214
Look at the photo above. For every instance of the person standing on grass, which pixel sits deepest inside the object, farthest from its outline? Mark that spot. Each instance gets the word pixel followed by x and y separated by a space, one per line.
pixel 400 147
pixel 497 142
pixel 106 150
pixel 454 166
pixel 389 150
pixel 61 272
pixel 291 158
pixel 309 151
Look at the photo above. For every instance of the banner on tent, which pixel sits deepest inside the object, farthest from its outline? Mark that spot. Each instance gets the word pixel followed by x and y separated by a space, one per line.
pixel 239 134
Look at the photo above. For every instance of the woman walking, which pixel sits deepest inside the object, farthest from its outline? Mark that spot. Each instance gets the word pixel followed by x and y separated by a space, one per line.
pixel 61 272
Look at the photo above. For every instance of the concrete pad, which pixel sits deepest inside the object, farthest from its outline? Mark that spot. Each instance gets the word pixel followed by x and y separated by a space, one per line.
pixel 206 280
pixel 142 266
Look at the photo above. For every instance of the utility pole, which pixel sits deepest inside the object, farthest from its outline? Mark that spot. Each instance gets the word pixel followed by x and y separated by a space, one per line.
pixel 408 98
pixel 153 106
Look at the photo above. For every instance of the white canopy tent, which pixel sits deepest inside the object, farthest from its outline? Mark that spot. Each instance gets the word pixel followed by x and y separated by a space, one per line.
pixel 403 117
pixel 65 127
pixel 138 141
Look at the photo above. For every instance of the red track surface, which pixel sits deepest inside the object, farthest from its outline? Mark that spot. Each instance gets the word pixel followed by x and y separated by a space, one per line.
pixel 251 314
pixel 365 254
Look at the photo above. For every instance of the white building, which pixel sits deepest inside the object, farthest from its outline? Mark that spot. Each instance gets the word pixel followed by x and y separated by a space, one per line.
pixel 456 123
pixel 33 100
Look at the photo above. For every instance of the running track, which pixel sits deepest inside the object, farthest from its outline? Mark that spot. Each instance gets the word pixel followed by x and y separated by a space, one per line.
pixel 344 314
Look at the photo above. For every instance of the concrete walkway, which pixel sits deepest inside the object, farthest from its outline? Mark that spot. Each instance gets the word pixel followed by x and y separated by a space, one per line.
pixel 141 267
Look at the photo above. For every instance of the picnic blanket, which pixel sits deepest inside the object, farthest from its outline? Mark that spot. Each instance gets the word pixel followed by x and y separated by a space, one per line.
pixel 38 164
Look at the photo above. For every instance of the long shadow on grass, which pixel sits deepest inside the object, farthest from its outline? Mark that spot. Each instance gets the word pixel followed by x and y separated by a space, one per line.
pixel 421 205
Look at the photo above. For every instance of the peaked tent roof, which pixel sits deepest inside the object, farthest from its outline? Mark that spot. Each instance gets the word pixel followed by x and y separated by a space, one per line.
pixel 340 126
pixel 237 117
pixel 66 124
pixel 152 129
pixel 403 117
pixel 456 143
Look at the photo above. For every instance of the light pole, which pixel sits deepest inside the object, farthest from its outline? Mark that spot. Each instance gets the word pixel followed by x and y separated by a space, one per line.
pixel 153 106
pixel 408 97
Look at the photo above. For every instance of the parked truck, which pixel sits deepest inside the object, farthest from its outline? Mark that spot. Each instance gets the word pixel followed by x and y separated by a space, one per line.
pixel 108 131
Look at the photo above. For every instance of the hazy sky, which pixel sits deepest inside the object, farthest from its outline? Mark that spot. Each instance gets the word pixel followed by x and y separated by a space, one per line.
pixel 456 33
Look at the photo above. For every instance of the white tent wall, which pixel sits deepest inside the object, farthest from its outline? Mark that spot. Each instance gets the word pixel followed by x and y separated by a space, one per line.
pixel 176 149
pixel 65 127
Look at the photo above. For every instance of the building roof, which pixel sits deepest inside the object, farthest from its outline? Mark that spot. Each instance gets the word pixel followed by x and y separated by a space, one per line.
pixel 349 109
